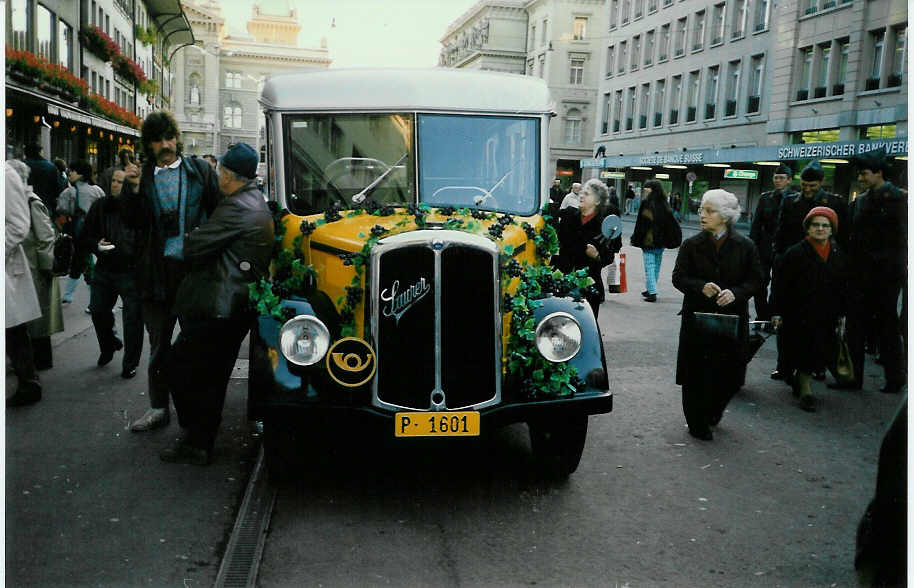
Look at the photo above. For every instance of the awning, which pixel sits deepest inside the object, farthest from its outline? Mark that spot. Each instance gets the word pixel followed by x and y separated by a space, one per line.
pixel 840 149
pixel 171 21
pixel 55 107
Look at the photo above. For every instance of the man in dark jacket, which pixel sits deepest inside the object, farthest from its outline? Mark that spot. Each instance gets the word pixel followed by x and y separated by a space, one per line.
pixel 793 210
pixel 44 178
pixel 764 226
pixel 878 250
pixel 114 244
pixel 171 197
pixel 227 252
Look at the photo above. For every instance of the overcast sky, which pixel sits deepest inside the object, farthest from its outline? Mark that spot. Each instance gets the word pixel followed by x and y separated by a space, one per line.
pixel 373 33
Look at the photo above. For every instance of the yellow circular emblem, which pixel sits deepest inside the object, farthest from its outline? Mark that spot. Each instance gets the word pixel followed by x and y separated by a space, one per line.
pixel 351 362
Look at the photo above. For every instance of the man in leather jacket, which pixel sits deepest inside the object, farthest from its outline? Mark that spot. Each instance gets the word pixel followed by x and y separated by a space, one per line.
pixel 878 250
pixel 227 252
pixel 764 225
pixel 168 199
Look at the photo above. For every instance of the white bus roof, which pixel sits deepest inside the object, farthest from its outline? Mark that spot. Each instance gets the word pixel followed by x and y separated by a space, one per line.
pixel 404 90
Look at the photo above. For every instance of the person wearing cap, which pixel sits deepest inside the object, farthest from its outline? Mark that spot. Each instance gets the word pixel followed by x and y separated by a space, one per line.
pixel 810 297
pixel 228 251
pixel 878 248
pixel 718 271
pixel 165 200
pixel 789 232
pixel 764 225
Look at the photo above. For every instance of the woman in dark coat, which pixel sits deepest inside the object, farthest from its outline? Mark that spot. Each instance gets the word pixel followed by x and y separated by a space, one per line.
pixel 655 228
pixel 582 245
pixel 810 294
pixel 717 270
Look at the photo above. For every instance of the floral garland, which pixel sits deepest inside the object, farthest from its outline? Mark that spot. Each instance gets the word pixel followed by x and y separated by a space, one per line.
pixel 97 42
pixel 39 68
pixel 537 377
pixel 103 106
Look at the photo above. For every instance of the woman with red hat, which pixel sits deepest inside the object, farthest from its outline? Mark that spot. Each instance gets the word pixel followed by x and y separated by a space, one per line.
pixel 810 296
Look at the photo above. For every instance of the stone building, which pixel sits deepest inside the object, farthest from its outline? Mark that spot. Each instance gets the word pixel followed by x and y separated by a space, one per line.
pixel 218 80
pixel 557 40
pixel 705 93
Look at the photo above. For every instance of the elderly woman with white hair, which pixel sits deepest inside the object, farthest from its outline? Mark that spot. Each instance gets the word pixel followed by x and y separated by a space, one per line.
pixel 718 271
pixel 582 245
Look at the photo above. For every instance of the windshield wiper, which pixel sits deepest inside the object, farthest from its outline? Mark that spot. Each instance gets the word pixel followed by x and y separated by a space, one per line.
pixel 480 199
pixel 361 196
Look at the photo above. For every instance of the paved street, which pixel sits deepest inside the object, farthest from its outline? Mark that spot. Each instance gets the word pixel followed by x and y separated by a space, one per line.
pixel 772 501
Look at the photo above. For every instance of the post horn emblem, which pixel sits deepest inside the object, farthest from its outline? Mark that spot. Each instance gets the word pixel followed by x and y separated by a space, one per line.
pixel 351 362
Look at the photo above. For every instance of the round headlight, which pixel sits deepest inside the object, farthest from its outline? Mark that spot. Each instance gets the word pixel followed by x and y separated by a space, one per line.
pixel 304 340
pixel 558 337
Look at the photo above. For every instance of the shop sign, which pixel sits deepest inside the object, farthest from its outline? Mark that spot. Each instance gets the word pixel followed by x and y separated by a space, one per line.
pixel 680 157
pixel 811 150
pixel 601 162
pixel 564 172
pixel 741 174
pixel 615 175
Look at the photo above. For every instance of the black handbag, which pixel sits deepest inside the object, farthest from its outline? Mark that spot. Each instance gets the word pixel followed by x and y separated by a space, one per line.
pixel 64 251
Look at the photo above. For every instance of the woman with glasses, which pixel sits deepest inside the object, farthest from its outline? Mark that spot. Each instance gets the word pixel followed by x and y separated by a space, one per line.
pixel 718 270
pixel 809 295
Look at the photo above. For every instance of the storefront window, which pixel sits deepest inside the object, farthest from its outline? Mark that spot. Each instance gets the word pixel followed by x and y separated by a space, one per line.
pixel 878 132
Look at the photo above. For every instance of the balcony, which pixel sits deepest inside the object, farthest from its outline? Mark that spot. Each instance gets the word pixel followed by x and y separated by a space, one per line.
pixel 828 5
pixel 709 110
pixel 717 40
pixel 674 116
pixel 697 46
pixel 667 2
pixel 730 108
pixel 754 103
pixel 652 7
pixel 604 128
pixel 615 126
pixel 642 121
pixel 680 52
pixel 690 113
pixel 662 57
pixel 802 95
pixel 736 34
pixel 760 27
pixel 872 84
pixel 837 89
pixel 624 20
pixel 647 61
pixel 658 119
pixel 638 15
pixel 628 124
pixel 819 92
pixel 621 70
pixel 810 10
pixel 894 80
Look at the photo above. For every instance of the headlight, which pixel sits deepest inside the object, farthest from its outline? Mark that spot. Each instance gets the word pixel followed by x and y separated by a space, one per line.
pixel 558 337
pixel 304 340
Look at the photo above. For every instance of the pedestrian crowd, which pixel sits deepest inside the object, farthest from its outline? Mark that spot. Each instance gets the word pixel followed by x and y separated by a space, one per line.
pixel 176 238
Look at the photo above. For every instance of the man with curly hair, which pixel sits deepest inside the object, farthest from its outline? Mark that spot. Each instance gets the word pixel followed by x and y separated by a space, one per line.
pixel 166 200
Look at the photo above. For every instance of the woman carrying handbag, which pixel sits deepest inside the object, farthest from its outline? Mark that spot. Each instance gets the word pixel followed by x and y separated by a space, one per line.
pixel 656 229
pixel 810 298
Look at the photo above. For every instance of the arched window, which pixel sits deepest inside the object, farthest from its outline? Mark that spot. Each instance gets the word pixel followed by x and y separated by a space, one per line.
pixel 573 127
pixel 194 89
pixel 231 116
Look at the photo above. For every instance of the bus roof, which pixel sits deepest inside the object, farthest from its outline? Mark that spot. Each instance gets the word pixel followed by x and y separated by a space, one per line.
pixel 387 90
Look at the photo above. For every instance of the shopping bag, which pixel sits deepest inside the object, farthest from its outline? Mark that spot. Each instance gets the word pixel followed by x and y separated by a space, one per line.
pixel 717 326
pixel 840 364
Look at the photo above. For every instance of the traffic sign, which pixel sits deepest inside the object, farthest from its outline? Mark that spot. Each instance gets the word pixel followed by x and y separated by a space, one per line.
pixel 741 174
pixel 691 177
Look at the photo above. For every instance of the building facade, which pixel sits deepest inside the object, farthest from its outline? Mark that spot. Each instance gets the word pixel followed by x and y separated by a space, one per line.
pixel 556 40
pixel 80 75
pixel 704 94
pixel 218 80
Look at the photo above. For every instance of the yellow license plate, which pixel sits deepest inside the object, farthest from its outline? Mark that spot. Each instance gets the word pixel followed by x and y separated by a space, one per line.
pixel 436 424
